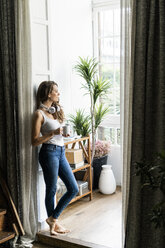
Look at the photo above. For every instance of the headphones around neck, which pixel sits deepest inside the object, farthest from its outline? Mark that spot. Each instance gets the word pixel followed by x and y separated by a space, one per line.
pixel 50 110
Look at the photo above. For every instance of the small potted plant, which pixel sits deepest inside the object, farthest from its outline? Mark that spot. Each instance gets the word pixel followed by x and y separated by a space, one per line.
pixel 102 149
pixel 81 123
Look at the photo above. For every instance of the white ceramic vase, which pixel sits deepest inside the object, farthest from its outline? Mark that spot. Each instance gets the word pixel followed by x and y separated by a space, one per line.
pixel 107 182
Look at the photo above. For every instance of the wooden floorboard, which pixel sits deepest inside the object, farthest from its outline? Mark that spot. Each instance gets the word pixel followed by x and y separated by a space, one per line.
pixel 61 241
pixel 39 245
pixel 97 221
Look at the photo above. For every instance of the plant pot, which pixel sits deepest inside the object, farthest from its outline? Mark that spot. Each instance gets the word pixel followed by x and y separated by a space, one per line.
pixel 97 166
pixel 107 182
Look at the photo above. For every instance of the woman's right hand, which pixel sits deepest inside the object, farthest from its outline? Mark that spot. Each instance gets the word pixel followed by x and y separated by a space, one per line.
pixel 58 131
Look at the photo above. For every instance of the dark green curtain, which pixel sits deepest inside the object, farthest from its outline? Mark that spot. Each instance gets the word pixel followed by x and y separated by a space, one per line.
pixel 148 125
pixel 9 142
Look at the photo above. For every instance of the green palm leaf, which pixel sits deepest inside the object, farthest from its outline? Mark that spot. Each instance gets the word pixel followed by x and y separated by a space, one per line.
pixel 100 113
pixel 87 69
pixel 100 87
pixel 81 122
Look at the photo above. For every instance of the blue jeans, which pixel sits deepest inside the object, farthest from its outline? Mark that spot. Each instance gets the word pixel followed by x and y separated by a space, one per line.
pixel 54 163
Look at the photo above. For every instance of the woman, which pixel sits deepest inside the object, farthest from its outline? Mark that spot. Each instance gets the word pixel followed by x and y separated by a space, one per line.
pixel 48 120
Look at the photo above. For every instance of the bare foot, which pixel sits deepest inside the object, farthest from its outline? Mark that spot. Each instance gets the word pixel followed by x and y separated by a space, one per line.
pixel 52 223
pixel 60 229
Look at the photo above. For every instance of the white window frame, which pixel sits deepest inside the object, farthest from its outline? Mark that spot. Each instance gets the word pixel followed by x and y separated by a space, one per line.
pixel 111 121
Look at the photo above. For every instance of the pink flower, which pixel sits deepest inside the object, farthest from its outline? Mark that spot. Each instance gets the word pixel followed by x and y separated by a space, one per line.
pixel 102 148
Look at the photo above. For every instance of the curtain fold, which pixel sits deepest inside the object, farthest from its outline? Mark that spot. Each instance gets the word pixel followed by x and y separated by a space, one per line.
pixel 28 164
pixel 148 118
pixel 17 158
pixel 126 77
pixel 9 124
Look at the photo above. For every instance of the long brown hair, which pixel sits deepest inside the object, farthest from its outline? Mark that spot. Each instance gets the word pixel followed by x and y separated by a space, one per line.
pixel 44 89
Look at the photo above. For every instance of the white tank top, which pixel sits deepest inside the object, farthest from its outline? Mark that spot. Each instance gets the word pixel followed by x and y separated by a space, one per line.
pixel 49 125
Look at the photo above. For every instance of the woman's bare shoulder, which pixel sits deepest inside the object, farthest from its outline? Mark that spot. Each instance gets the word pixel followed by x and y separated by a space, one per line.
pixel 38 115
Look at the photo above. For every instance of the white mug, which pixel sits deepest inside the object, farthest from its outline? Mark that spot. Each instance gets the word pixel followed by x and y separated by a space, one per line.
pixel 66 129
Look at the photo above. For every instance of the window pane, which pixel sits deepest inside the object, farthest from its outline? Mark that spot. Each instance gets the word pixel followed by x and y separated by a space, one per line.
pixel 117 89
pixel 110 101
pixel 117 104
pixel 107 71
pixel 106 22
pixel 106 50
pixel 118 136
pixel 112 135
pixel 117 75
pixel 107 134
pixel 117 50
pixel 117 21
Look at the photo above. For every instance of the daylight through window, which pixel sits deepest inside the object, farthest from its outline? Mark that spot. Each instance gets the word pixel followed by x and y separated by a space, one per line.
pixel 106 24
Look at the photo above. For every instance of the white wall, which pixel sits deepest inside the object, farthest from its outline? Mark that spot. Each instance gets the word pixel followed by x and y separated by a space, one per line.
pixel 71 38
pixel 41 70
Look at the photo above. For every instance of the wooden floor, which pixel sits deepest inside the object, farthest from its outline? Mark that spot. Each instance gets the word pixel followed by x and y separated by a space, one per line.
pixel 39 245
pixel 97 221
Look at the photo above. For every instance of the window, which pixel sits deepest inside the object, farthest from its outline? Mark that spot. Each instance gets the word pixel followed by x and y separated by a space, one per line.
pixel 106 37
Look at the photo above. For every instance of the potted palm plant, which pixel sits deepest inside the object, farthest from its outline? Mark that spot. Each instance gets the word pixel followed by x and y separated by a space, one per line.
pixel 80 122
pixel 96 87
